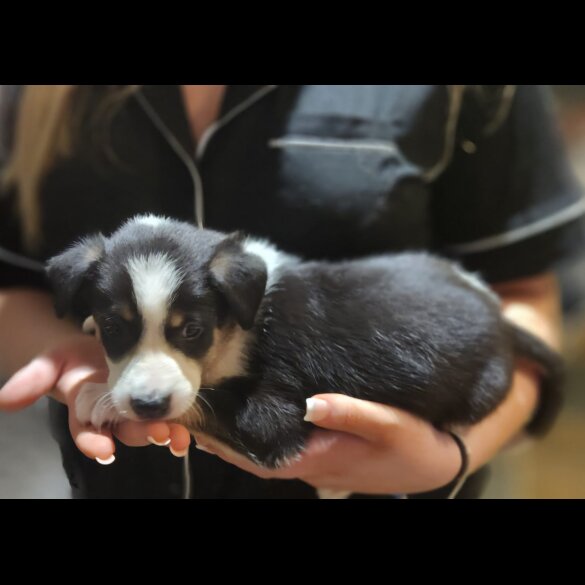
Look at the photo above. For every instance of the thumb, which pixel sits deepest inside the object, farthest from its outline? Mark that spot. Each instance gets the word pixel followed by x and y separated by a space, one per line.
pixel 368 420
pixel 31 383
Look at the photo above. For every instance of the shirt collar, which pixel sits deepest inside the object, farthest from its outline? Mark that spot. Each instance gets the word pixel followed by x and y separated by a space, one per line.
pixel 168 103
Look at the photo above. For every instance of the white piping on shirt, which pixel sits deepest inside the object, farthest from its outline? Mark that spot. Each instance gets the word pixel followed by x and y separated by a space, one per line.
pixel 333 143
pixel 181 153
pixel 209 133
pixel 525 232
pixel 21 261
pixel 455 102
pixel 508 95
pixel 203 143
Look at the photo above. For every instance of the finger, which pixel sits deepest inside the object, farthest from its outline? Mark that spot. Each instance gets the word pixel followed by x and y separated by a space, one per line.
pixel 210 445
pixel 31 383
pixel 158 433
pixel 328 456
pixel 180 440
pixel 138 434
pixel 368 420
pixel 71 381
pixel 94 444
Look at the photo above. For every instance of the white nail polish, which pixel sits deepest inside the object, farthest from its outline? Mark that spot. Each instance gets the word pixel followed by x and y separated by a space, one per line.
pixel 317 410
pixel 107 461
pixel 202 448
pixel 153 442
pixel 179 453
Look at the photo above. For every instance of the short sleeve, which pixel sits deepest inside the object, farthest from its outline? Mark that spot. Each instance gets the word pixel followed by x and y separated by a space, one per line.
pixel 16 267
pixel 508 205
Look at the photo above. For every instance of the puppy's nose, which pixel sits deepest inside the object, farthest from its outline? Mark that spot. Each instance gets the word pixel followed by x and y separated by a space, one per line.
pixel 150 408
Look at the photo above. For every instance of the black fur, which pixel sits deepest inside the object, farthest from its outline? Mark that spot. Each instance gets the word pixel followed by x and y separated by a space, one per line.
pixel 70 272
pixel 404 330
pixel 240 278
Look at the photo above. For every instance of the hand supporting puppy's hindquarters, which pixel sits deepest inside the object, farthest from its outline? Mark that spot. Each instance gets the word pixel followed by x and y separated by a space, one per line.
pixel 368 448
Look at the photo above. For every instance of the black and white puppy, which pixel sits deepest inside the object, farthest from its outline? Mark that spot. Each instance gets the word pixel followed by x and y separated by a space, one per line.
pixel 228 335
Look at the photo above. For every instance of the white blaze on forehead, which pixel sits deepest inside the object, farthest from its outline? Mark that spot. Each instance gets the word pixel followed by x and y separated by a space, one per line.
pixel 155 279
pixel 93 251
pixel 154 369
pixel 150 220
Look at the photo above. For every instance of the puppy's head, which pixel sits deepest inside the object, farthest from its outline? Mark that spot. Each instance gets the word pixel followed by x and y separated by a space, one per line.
pixel 171 304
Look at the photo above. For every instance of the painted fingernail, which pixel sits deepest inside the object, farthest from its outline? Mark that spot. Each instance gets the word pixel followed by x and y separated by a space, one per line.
pixel 182 453
pixel 317 409
pixel 107 461
pixel 154 442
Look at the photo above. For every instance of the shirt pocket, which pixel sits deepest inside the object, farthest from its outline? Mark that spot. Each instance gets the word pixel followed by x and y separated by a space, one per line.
pixel 362 187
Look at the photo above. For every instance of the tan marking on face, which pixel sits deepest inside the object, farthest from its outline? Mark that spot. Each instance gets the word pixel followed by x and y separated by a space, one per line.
pixel 176 319
pixel 220 264
pixel 89 326
pixel 126 313
pixel 225 358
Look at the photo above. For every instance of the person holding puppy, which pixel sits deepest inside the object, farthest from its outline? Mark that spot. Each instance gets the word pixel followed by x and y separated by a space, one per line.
pixel 474 173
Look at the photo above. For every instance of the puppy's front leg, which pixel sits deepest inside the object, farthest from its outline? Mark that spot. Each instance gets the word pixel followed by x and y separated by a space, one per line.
pixel 265 426
pixel 271 430
pixel 94 406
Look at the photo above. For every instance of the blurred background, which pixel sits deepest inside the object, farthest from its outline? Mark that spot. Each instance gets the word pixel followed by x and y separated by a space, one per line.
pixel 30 465
pixel 555 466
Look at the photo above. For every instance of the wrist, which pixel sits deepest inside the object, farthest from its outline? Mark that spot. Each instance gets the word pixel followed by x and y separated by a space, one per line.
pixel 527 383
pixel 507 423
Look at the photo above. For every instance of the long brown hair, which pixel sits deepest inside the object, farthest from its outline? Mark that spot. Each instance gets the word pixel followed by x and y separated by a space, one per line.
pixel 46 128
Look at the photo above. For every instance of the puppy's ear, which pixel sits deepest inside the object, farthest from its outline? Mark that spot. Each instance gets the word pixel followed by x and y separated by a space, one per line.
pixel 70 272
pixel 241 279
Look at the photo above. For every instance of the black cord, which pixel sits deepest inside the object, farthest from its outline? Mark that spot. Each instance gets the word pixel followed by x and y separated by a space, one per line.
pixel 460 478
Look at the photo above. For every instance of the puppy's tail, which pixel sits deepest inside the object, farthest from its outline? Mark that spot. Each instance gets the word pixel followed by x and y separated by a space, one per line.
pixel 552 375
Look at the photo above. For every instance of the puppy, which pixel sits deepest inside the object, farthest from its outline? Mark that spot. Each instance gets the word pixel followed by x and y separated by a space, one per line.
pixel 230 336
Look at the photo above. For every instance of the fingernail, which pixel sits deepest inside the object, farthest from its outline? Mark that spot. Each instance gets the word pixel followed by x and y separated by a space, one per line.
pixel 203 448
pixel 107 461
pixel 182 453
pixel 152 441
pixel 317 409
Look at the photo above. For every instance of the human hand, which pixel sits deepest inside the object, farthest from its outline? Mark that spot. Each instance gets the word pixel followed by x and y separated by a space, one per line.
pixel 367 448
pixel 61 373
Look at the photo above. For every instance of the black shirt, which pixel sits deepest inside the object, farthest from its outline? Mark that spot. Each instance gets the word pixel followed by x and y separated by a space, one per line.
pixel 334 172
pixel 325 171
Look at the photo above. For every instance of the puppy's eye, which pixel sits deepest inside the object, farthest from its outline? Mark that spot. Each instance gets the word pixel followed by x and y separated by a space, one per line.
pixel 192 331
pixel 111 327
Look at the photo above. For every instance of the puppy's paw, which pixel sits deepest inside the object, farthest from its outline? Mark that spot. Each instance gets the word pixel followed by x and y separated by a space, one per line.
pixel 273 456
pixel 272 444
pixel 94 406
pixel 271 432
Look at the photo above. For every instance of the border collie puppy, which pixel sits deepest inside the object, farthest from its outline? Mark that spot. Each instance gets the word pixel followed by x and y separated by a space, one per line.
pixel 228 335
